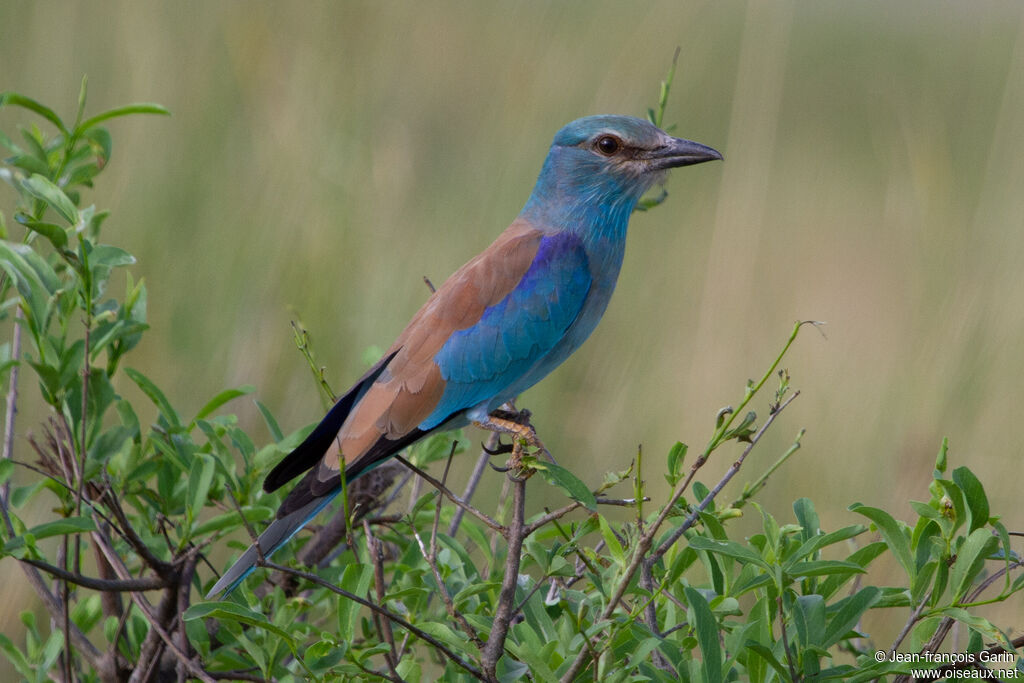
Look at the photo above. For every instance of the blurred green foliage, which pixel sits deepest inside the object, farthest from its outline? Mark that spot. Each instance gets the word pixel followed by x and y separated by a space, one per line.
pixel 322 158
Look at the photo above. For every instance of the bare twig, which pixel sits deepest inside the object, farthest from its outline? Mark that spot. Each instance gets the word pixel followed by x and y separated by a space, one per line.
pixel 914 616
pixel 376 553
pixel 431 557
pixel 474 479
pixel 452 497
pixel 506 597
pixel 115 586
pixel 11 409
pixel 193 667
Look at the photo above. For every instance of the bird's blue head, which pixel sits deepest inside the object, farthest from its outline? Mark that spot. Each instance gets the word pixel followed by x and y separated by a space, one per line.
pixel 599 166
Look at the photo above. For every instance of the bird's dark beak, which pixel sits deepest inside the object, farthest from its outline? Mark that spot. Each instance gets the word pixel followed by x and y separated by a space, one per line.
pixel 676 152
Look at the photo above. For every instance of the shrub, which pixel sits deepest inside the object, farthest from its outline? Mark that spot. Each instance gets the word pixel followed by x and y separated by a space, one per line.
pixel 445 589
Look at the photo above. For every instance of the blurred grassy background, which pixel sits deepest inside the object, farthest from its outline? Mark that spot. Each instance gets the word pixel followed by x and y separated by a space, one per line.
pixel 323 157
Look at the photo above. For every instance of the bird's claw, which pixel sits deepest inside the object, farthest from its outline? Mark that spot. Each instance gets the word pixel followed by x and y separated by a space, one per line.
pixel 502 449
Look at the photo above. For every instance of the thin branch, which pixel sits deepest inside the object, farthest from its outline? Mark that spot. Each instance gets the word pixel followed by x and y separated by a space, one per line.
pixel 194 667
pixel 11 409
pixel 104 664
pixel 128 532
pixel 452 497
pixel 645 542
pixel 550 516
pixel 947 622
pixel 363 494
pixel 506 597
pixel 474 479
pixel 914 616
pixel 114 586
pixel 730 473
pixel 621 502
pixel 375 551
pixel 438 645
pixel 546 519
pixel 431 558
pixel 237 676
pixel 947 670
pixel 184 587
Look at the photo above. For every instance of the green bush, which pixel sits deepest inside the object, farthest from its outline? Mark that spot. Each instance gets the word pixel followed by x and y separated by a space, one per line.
pixel 443 589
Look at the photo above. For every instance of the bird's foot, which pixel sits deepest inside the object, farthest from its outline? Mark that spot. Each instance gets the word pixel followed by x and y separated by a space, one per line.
pixel 515 424
pixel 518 426
pixel 500 449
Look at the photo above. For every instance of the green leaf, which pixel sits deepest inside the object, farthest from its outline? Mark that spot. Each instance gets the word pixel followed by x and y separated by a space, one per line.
pixel 272 426
pixel 956 497
pixel 809 618
pixel 139 108
pixel 109 256
pixel 706 626
pixel 970 559
pixel 60 527
pixel 892 532
pixel 6 470
pixel 974 493
pixel 155 395
pixel 849 614
pixel 926 510
pixel 805 513
pixel 101 142
pixel 222 398
pixel 200 477
pixel 824 568
pixel 676 457
pixel 231 611
pixel 355 579
pixel 41 188
pixel 56 234
pixel 728 548
pixel 18 659
pixel 768 656
pixel 941 458
pixel 565 480
pixel 612 541
pixel 815 543
pixel 230 520
pixel 987 629
pixel 16 99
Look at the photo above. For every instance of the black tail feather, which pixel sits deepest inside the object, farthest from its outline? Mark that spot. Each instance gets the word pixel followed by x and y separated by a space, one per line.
pixel 316 444
pixel 312 487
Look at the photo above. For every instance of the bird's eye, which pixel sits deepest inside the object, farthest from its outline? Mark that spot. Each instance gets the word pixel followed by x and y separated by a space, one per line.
pixel 608 145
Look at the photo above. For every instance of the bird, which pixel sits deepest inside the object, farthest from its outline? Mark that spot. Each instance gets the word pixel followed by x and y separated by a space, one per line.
pixel 496 327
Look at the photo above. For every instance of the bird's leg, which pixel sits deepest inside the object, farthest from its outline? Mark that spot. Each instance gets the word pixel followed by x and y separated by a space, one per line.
pixel 516 424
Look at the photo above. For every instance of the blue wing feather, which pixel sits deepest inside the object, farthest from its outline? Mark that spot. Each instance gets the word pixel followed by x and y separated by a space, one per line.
pixel 483 361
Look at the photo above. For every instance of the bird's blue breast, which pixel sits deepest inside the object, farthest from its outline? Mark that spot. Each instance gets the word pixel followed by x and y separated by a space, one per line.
pixel 487 360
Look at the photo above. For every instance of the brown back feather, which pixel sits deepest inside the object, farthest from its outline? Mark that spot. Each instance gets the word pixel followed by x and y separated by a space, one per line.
pixel 411 386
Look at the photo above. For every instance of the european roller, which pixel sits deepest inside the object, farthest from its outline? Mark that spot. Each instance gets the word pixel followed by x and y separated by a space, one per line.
pixel 497 326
